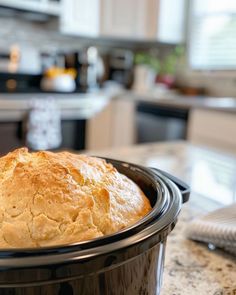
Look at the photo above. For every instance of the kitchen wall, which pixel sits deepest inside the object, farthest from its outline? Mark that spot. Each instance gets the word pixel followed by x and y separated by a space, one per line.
pixel 42 35
pixel 45 35
pixel 216 83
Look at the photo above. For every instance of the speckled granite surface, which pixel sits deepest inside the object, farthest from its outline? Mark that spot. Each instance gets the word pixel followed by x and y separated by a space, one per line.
pixel 190 267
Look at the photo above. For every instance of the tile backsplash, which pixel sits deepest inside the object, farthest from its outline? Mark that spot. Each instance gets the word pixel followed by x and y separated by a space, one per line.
pixel 43 36
pixel 216 83
pixel 46 36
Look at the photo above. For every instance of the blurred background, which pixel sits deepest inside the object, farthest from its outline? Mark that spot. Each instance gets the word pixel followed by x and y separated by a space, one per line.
pixel 98 74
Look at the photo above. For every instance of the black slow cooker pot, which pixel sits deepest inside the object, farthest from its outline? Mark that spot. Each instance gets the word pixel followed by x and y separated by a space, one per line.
pixel 128 262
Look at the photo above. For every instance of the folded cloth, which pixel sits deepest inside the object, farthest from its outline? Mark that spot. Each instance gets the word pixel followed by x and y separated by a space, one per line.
pixel 43 127
pixel 217 228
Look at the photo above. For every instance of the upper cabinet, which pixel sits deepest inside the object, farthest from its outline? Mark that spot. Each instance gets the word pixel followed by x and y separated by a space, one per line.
pixel 125 19
pixel 161 20
pixel 51 7
pixel 80 17
pixel 171 21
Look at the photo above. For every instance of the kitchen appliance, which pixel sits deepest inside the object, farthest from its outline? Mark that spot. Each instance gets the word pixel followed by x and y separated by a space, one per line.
pixel 128 262
pixel 121 67
pixel 90 69
pixel 19 83
pixel 60 83
pixel 13 132
pixel 20 69
pixel 160 123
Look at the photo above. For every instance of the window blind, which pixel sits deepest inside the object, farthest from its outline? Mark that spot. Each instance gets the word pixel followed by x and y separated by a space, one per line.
pixel 212 38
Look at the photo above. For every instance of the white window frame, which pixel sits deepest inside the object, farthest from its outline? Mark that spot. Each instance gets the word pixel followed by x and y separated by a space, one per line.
pixel 214 72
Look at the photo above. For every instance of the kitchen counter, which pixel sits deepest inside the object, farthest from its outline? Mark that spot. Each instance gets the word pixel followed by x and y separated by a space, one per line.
pixel 13 107
pixel 190 267
pixel 83 106
pixel 182 101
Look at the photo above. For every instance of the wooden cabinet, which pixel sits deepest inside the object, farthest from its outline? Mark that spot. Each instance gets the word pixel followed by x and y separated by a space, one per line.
pixel 160 20
pixel 112 127
pixel 124 19
pixel 213 128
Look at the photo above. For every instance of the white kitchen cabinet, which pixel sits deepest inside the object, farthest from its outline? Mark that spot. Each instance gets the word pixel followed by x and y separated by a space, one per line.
pixel 80 17
pixel 213 128
pixel 154 20
pixel 171 21
pixel 42 6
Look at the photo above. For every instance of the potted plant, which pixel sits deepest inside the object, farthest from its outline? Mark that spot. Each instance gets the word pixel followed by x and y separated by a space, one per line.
pixel 169 66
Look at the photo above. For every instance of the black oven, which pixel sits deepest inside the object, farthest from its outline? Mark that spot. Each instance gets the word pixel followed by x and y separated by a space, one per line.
pixel 160 123
pixel 12 135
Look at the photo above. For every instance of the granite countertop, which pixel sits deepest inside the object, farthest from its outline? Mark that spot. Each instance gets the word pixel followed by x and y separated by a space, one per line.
pixel 183 101
pixel 190 267
pixel 84 106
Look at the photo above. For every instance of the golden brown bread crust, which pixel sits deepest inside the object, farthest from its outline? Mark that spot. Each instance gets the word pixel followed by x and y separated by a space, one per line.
pixel 59 198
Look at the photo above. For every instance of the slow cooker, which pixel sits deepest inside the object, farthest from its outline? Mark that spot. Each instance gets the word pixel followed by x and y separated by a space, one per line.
pixel 130 261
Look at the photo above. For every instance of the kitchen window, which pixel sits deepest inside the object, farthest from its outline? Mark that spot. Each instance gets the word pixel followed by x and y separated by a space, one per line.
pixel 212 35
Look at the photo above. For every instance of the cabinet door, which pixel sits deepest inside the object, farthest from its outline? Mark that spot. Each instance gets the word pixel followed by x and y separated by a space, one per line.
pixel 213 128
pixel 80 17
pixel 126 18
pixel 171 21
pixel 106 129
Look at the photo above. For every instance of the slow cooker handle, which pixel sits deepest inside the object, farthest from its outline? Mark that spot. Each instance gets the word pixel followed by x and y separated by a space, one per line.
pixel 183 187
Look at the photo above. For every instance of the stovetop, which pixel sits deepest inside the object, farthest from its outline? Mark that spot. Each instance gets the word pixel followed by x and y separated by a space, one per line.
pixel 14 83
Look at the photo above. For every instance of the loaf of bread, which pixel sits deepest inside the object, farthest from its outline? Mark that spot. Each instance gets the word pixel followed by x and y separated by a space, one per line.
pixel 51 199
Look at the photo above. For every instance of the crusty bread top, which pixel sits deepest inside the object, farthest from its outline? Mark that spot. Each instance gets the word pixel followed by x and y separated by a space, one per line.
pixel 59 198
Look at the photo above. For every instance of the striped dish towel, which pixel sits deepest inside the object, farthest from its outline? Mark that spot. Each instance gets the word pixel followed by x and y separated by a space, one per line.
pixel 217 228
pixel 43 126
